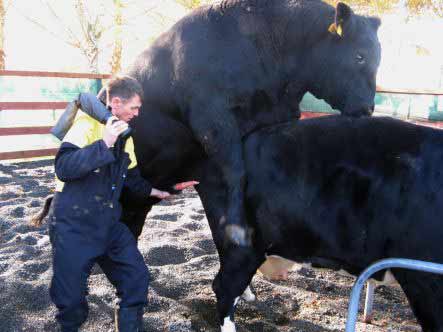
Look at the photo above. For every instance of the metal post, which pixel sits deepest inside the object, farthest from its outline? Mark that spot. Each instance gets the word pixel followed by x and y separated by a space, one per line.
pixel 369 301
pixel 382 265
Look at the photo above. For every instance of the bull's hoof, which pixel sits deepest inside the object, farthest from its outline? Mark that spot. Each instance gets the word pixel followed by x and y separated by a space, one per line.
pixel 228 325
pixel 247 295
pixel 237 235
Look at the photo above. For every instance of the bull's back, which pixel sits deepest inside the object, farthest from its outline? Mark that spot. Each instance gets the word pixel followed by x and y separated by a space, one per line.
pixel 354 189
pixel 216 51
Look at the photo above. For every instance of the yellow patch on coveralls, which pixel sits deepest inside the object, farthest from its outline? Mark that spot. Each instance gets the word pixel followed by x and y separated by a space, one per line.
pixel 86 130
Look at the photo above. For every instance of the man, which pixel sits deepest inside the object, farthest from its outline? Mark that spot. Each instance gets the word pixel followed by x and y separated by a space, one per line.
pixel 94 164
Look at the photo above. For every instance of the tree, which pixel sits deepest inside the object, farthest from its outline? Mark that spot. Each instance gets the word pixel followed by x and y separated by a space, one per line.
pixel 116 58
pixel 373 7
pixel 417 6
pixel 3 10
pixel 379 7
pixel 190 4
pixel 85 34
pixel 92 30
pixel 2 35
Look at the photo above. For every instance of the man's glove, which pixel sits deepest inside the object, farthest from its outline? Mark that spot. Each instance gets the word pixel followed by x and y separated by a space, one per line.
pixel 89 104
pixel 66 120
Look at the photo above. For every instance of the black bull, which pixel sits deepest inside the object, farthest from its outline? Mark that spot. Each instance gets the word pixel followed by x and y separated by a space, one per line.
pixel 227 69
pixel 338 192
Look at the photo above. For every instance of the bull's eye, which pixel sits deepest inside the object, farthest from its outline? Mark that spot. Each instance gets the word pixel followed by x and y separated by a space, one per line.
pixel 360 59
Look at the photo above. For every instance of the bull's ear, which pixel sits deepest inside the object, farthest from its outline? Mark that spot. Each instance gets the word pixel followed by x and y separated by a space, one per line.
pixel 375 22
pixel 343 14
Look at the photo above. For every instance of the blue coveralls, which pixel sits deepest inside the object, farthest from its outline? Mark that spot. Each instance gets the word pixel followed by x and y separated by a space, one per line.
pixel 85 227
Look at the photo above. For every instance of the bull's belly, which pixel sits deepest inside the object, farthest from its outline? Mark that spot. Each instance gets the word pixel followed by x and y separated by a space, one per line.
pixel 277 268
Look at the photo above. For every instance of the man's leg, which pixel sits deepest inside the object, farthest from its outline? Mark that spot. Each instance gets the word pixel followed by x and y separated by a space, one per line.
pixel 125 268
pixel 72 263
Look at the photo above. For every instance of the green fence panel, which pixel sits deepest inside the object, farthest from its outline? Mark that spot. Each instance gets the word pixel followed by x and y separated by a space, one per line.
pixel 419 107
pixel 310 103
pixel 45 88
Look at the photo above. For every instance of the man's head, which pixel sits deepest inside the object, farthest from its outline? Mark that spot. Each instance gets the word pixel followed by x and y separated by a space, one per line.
pixel 124 96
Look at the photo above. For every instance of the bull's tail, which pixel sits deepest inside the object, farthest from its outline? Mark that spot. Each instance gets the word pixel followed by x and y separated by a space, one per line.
pixel 37 220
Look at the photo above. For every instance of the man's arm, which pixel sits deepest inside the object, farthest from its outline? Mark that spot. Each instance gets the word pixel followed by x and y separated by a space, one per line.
pixel 73 162
pixel 136 184
pixel 140 187
pixel 84 150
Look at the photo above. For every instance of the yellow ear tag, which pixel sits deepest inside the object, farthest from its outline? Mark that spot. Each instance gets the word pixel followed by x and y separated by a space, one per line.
pixel 336 29
pixel 339 31
pixel 332 28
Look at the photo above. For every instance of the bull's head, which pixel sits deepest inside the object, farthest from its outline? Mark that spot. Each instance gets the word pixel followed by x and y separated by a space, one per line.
pixel 345 62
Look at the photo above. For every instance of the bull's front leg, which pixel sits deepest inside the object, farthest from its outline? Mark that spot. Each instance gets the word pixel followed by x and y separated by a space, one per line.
pixel 237 264
pixel 217 131
pixel 237 268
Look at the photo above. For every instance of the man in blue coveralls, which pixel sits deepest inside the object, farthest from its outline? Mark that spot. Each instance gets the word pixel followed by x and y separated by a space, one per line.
pixel 92 166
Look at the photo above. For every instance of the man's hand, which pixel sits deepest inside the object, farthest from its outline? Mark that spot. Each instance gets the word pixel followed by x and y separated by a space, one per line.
pixel 114 127
pixel 159 194
pixel 179 186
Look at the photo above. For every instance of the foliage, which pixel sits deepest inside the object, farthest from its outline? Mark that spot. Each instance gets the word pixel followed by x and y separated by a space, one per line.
pixel 190 4
pixel 193 4
pixel 4 5
pixel 379 7
pixel 116 58
pixel 373 7
pixel 417 6
pixel 2 35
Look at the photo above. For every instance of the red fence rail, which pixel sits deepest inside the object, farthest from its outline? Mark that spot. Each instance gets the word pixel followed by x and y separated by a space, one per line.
pixel 36 106
pixel 52 74
pixel 62 105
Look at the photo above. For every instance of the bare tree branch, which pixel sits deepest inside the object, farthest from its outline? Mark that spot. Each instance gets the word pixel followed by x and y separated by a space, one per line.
pixel 2 34
pixel 118 41
pixel 71 35
pixel 44 28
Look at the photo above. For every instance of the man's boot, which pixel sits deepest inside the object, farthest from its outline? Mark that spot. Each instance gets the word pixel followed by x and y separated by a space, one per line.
pixel 129 319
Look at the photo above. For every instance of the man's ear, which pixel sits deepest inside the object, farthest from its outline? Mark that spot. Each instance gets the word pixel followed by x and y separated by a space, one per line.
pixel 115 102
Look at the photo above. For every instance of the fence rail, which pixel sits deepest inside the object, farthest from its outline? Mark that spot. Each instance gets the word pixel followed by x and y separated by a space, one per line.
pixel 25 131
pixel 28 154
pixel 53 74
pixel 430 92
pixel 29 105
pixel 37 106
pixel 58 105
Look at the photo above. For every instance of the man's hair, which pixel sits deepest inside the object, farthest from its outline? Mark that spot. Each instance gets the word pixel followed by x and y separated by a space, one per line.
pixel 124 87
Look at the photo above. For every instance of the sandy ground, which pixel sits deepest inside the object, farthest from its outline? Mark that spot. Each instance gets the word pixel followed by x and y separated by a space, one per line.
pixel 178 248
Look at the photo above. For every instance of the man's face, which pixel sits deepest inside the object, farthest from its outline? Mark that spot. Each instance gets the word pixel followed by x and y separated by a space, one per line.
pixel 125 110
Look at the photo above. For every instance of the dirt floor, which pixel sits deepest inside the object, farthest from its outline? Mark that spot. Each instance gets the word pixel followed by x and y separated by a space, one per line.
pixel 177 246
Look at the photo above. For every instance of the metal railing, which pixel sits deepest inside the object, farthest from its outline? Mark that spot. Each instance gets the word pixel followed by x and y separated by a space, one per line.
pixel 383 264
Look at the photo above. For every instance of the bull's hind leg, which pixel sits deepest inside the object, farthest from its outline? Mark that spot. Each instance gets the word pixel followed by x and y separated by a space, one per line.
pixel 425 295
pixel 217 131
pixel 237 267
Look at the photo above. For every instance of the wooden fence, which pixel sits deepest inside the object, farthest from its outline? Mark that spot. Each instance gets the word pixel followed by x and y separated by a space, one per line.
pixel 57 105
pixel 37 106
